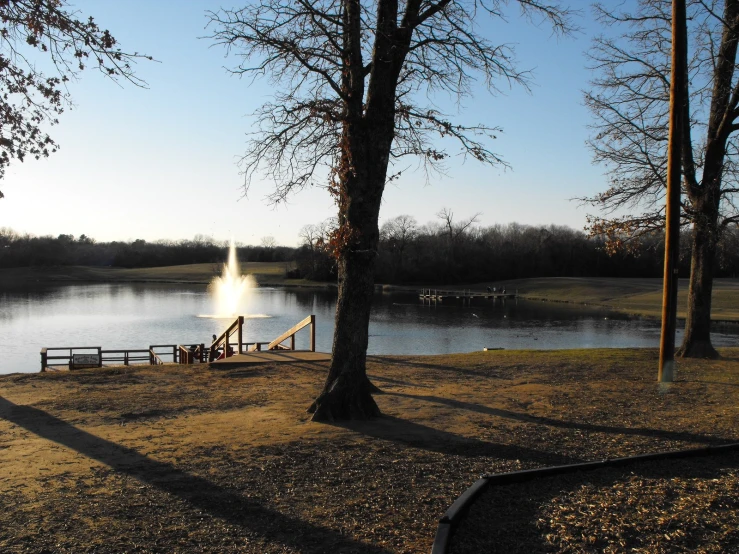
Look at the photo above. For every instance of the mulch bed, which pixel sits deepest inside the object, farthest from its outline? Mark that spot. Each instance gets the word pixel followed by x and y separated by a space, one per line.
pixel 685 505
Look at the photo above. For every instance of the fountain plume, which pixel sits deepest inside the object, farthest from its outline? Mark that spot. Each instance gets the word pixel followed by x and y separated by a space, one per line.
pixel 231 290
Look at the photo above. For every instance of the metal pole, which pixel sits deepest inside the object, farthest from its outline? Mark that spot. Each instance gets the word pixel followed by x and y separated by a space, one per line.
pixel 672 210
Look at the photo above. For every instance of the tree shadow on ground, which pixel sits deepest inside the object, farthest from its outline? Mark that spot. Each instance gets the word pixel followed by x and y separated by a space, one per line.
pixel 420 365
pixel 261 369
pixel 416 435
pixel 551 422
pixel 322 368
pixel 719 383
pixel 247 513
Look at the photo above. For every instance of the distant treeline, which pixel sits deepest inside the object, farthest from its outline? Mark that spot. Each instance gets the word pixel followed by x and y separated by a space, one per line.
pixel 462 252
pixel 18 250
pixel 435 253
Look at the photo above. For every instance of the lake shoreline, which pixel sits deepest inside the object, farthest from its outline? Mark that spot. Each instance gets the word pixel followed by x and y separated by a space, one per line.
pixel 631 296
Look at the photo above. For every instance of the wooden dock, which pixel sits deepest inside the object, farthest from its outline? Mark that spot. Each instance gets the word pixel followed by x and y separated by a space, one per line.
pixel 223 351
pixel 437 295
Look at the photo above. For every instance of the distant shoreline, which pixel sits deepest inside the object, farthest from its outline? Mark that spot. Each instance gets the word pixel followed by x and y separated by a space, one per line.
pixel 635 296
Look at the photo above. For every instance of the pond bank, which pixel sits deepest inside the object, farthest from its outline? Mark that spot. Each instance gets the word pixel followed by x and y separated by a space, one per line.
pixel 640 297
pixel 193 460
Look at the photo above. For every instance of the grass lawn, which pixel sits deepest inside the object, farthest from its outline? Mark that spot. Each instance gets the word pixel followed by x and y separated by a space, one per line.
pixel 637 296
pixel 191 459
pixel 266 273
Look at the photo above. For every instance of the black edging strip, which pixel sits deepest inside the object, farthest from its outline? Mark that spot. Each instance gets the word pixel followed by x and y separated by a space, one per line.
pixel 455 513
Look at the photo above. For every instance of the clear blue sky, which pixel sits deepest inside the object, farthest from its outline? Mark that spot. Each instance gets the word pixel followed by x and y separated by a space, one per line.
pixel 160 163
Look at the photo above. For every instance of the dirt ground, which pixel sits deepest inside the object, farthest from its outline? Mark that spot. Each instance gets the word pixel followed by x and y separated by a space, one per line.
pixel 191 459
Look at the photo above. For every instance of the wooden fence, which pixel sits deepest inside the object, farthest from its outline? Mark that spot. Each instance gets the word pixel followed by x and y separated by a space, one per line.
pixel 77 357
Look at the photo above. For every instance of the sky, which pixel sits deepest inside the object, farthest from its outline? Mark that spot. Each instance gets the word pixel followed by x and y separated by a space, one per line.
pixel 161 162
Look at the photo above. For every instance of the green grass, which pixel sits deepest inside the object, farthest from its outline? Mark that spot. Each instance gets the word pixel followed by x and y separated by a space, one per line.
pixel 636 296
pixel 266 273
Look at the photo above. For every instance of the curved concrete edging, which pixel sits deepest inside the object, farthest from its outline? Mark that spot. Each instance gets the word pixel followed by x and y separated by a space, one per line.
pixel 450 520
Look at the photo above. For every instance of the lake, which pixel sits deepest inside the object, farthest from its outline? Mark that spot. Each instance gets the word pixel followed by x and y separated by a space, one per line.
pixel 138 315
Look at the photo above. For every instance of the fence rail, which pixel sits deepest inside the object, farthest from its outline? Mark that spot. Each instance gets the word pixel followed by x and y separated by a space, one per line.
pixel 55 358
pixel 223 343
pixel 290 334
pixel 75 357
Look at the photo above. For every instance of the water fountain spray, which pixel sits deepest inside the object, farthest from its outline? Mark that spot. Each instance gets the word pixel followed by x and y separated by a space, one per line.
pixel 231 290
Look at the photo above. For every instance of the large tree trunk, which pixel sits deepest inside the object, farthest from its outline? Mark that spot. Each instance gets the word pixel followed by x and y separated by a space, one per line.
pixel 347 392
pixel 697 341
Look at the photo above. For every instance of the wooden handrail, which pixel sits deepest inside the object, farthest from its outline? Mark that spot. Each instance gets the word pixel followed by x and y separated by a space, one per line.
pixel 290 333
pixel 224 340
pixel 185 354
pixel 154 358
pixel 63 355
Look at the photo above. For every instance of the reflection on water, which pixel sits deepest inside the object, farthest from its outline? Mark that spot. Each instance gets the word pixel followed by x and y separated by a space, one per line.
pixel 137 315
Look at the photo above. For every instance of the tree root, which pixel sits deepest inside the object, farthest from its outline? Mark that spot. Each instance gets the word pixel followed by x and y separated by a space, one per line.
pixel 698 349
pixel 341 402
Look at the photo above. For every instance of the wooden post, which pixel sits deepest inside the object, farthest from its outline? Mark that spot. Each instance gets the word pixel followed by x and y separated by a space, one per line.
pixel 100 356
pixel 44 360
pixel 312 333
pixel 672 212
pixel 292 341
pixel 240 332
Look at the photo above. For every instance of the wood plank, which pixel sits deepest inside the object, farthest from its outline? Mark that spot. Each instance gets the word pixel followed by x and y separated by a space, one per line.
pixel 307 321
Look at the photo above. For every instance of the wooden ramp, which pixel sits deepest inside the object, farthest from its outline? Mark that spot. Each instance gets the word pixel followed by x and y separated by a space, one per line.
pixel 271 357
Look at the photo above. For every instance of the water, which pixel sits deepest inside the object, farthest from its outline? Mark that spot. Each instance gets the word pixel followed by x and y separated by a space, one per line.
pixel 232 290
pixel 138 315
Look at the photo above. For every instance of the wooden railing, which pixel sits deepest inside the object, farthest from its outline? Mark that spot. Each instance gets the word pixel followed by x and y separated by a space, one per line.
pixel 125 356
pixel 50 357
pixel 290 334
pixel 171 351
pixel 94 356
pixel 154 358
pixel 64 357
pixel 191 354
pixel 224 341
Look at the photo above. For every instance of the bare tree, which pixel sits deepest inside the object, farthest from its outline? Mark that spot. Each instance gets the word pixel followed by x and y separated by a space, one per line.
pixel 348 77
pixel 454 231
pixel 268 242
pixel 397 234
pixel 30 99
pixel 630 104
pixel 311 237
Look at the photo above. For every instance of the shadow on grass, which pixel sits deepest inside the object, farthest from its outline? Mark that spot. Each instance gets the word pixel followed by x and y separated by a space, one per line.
pixel 247 513
pixel 526 418
pixel 415 435
pixel 322 368
pixel 256 370
pixel 422 365
pixel 718 383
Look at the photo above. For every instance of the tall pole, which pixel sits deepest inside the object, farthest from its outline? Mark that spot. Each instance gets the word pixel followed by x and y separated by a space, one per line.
pixel 678 92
